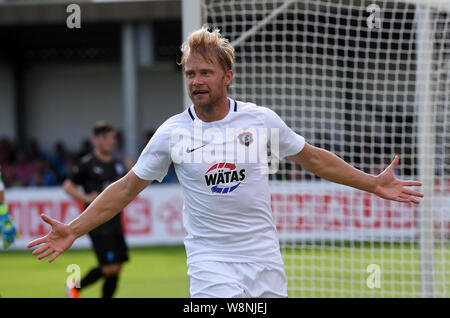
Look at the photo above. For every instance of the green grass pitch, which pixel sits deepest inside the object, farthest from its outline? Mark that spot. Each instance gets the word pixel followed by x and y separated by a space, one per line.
pixel 150 272
pixel 162 272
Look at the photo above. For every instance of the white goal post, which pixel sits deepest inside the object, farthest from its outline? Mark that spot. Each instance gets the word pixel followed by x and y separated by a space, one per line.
pixel 366 80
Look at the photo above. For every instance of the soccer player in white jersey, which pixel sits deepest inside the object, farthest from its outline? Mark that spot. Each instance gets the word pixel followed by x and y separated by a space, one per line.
pixel 231 243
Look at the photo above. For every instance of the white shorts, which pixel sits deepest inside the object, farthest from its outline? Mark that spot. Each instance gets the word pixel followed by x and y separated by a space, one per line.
pixel 211 279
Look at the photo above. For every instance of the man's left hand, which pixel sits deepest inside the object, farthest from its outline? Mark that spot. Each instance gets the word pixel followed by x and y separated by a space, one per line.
pixel 390 188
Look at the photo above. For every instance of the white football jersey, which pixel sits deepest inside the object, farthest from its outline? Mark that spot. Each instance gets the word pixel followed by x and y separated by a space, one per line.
pixel 222 167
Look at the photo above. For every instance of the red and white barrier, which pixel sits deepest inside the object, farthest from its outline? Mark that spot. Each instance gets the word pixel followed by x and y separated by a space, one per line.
pixel 307 211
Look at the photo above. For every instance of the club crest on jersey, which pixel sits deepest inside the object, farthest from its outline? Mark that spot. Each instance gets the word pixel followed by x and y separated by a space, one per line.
pixel 246 138
pixel 224 177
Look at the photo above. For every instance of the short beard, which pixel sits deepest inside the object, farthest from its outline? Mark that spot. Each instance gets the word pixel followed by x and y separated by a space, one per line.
pixel 206 108
pixel 209 106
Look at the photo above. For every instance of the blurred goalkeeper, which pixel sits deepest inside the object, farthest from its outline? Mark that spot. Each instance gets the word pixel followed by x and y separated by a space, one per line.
pixel 231 244
pixel 8 230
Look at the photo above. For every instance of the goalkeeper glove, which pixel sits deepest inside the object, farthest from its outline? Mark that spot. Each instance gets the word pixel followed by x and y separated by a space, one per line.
pixel 8 230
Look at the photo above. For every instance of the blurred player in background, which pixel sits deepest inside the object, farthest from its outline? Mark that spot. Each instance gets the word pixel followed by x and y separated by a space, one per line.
pixel 231 244
pixel 8 231
pixel 95 172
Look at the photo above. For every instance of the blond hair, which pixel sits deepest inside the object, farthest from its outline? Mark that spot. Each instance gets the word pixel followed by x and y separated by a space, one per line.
pixel 209 44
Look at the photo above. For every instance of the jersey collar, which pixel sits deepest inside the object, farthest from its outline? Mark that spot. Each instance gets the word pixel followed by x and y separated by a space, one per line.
pixel 233 108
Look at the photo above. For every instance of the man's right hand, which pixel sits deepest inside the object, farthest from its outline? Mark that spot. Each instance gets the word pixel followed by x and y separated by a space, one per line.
pixel 59 239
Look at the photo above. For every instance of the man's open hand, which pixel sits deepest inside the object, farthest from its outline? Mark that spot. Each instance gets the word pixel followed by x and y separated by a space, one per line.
pixel 59 239
pixel 391 188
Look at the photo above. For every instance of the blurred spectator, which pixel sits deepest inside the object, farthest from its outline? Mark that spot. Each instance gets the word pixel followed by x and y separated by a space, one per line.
pixel 70 163
pixel 23 169
pixel 59 161
pixel 43 176
pixel 34 151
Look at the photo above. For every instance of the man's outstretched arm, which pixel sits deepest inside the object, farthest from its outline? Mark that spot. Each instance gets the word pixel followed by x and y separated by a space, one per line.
pixel 110 202
pixel 332 168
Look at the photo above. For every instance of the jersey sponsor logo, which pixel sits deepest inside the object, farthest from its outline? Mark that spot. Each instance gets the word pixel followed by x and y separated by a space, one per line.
pixel 224 177
pixel 246 138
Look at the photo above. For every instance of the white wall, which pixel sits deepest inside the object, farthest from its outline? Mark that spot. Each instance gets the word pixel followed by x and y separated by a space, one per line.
pixel 161 95
pixel 7 120
pixel 64 100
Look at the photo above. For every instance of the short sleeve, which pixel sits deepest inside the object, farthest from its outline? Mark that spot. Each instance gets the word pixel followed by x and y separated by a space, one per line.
pixel 289 142
pixel 155 159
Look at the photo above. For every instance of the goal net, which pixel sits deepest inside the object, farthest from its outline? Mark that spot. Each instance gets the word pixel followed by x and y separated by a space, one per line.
pixel 367 80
